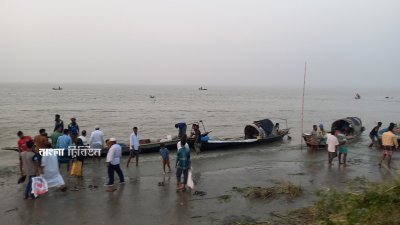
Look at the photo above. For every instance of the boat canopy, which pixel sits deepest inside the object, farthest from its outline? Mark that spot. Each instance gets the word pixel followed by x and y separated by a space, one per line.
pixel 348 126
pixel 259 129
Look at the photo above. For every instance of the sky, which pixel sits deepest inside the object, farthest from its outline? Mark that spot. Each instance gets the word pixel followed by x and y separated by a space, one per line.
pixel 201 42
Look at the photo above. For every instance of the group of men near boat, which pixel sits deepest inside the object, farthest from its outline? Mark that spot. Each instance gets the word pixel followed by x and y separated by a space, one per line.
pixel 33 163
pixel 336 142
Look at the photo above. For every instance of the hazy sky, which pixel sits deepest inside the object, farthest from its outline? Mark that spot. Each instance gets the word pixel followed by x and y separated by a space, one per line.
pixel 201 42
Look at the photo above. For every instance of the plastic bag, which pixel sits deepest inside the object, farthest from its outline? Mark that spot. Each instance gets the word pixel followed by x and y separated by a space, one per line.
pixel 190 182
pixel 39 186
pixel 76 169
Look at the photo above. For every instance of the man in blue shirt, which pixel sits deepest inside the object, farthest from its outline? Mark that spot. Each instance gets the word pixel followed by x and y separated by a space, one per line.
pixel 183 164
pixel 64 142
pixel 182 129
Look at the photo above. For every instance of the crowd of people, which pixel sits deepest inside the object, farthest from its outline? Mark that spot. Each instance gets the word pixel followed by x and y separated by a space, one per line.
pixel 336 142
pixel 33 163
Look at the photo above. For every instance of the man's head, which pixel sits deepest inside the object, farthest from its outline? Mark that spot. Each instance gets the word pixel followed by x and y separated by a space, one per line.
pixel 111 141
pixel 42 131
pixel 30 144
pixel 73 119
pixel 135 129
pixel 20 134
pixel 315 127
pixel 57 117
pixel 176 125
pixel 84 133
pixel 162 145
pixel 66 131
pixel 183 139
pixel 391 127
pixel 379 124
pixel 97 127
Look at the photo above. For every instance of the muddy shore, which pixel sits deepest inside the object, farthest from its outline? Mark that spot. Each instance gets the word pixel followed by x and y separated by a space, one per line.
pixel 142 200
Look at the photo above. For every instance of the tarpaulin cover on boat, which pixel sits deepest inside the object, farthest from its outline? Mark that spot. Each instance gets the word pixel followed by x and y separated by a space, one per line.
pixel 261 129
pixel 349 125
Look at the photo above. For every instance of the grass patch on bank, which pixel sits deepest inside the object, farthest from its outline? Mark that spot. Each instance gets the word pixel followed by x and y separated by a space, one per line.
pixel 288 189
pixel 362 203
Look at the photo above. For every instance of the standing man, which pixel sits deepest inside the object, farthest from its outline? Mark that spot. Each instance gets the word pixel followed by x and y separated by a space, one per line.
pixel 113 161
pixel 58 123
pixel 55 135
pixel 22 147
pixel 197 139
pixel 97 138
pixel 83 138
pixel 41 140
pixel 314 138
pixel 343 150
pixel 389 143
pixel 64 142
pixel 30 167
pixel 374 134
pixel 332 143
pixel 73 130
pixel 183 164
pixel 134 146
pixel 181 129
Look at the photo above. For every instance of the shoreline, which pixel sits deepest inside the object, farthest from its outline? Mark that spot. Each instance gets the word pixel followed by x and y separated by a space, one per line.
pixel 216 174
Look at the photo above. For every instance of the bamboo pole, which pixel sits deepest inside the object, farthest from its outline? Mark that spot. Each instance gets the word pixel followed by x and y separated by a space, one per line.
pixel 302 105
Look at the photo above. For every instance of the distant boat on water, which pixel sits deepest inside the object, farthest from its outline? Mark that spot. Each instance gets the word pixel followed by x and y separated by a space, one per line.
pixel 202 89
pixel 358 96
pixel 59 88
pixel 152 96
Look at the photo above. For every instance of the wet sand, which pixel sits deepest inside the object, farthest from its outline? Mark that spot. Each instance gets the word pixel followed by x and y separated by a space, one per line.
pixel 142 201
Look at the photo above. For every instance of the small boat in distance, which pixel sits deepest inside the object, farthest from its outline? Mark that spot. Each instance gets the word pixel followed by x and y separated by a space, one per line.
pixel 59 88
pixel 358 96
pixel 202 89
pixel 152 96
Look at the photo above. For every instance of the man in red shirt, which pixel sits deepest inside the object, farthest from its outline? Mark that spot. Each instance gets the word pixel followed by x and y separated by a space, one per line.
pixel 22 147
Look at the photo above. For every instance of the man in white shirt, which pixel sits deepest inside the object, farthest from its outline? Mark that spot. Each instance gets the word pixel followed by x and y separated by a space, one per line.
pixel 97 138
pixel 83 137
pixel 332 145
pixel 113 160
pixel 134 146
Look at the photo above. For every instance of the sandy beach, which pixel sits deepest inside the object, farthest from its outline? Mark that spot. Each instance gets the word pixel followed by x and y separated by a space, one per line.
pixel 143 201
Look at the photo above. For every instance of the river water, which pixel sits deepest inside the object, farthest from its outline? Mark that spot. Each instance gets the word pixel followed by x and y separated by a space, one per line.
pixel 225 111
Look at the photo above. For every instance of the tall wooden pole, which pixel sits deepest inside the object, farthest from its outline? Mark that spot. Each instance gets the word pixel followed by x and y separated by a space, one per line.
pixel 302 105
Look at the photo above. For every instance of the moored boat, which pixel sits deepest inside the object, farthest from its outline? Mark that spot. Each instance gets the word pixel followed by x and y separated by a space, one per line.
pixel 259 132
pixel 351 127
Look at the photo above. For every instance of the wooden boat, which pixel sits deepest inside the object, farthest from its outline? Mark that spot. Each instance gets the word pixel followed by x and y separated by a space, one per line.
pixel 59 88
pixel 145 147
pixel 202 89
pixel 350 126
pixel 259 132
pixel 358 96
